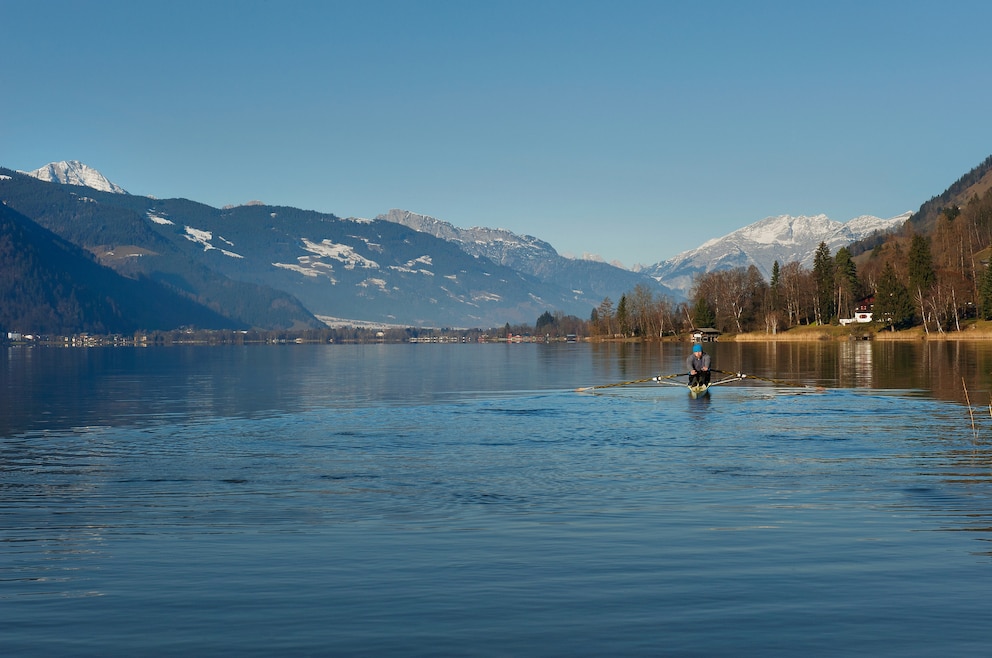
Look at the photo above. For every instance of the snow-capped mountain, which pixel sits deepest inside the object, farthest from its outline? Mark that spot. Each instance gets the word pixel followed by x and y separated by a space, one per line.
pixel 73 172
pixel 401 267
pixel 593 279
pixel 263 264
pixel 496 244
pixel 783 238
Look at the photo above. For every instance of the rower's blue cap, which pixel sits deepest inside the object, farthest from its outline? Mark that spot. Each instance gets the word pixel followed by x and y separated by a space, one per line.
pixel 697 348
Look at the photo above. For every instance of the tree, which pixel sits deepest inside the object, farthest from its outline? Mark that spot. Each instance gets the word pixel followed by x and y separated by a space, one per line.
pixel 545 323
pixel 736 295
pixel 985 294
pixel 846 282
pixel 702 313
pixel 641 308
pixel 664 314
pixel 623 316
pixel 922 276
pixel 797 292
pixel 893 305
pixel 823 276
pixel 773 287
pixel 758 298
pixel 604 315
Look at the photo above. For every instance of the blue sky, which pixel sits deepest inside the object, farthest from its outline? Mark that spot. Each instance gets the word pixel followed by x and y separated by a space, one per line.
pixel 631 130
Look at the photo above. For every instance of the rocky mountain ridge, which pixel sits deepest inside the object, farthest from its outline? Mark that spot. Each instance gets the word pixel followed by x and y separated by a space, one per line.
pixel 782 238
pixel 73 172
pixel 399 268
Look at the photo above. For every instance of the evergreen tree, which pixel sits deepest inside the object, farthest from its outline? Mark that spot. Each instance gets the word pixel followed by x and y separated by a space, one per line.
pixel 985 294
pixel 702 314
pixel 893 305
pixel 545 323
pixel 922 276
pixel 848 286
pixel 773 301
pixel 623 316
pixel 823 276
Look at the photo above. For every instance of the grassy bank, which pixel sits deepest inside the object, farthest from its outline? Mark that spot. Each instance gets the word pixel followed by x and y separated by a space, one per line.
pixel 970 330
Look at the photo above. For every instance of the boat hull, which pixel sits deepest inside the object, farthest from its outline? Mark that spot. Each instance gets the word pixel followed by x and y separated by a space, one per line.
pixel 695 390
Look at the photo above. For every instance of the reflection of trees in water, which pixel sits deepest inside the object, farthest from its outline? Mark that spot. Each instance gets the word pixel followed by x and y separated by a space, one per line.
pixel 948 466
pixel 934 366
pixel 941 368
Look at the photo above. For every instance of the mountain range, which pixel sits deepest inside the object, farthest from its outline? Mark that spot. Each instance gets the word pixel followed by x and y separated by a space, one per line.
pixel 281 267
pixel 590 279
pixel 783 238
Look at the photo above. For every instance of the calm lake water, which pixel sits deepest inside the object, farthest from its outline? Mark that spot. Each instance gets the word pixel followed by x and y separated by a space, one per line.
pixel 433 500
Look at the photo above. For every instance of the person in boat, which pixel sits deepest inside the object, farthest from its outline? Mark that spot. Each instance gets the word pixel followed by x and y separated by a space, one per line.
pixel 698 365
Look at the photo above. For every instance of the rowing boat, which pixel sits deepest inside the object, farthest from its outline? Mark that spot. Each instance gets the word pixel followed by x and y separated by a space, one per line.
pixel 695 390
pixel 698 389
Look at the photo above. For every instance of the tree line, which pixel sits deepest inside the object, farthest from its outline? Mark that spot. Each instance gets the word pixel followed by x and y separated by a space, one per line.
pixel 909 278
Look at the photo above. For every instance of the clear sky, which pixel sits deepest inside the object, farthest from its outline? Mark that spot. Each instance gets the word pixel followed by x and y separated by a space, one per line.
pixel 631 130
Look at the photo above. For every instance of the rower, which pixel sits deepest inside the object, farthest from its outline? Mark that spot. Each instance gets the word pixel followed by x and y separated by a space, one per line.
pixel 698 365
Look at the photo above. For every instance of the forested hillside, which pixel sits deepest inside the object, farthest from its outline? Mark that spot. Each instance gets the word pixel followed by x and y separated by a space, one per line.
pixel 116 230
pixel 934 273
pixel 50 286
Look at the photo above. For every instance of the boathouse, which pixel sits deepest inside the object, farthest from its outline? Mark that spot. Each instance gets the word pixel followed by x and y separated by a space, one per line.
pixel 705 335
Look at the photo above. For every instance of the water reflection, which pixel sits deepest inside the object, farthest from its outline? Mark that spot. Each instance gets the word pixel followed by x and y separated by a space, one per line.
pixel 855 362
pixel 948 370
pixel 942 369
pixel 56 388
pixel 482 468
pixel 699 403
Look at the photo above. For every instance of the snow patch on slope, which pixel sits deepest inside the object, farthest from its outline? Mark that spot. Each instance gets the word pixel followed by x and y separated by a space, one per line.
pixel 204 238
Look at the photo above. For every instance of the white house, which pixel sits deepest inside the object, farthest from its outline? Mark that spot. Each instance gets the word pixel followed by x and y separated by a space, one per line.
pixel 862 312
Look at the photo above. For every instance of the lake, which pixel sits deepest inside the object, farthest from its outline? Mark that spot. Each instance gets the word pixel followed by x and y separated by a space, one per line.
pixel 467 500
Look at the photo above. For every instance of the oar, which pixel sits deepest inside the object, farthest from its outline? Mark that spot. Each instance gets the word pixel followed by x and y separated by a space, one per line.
pixel 661 378
pixel 658 378
pixel 780 382
pixel 734 377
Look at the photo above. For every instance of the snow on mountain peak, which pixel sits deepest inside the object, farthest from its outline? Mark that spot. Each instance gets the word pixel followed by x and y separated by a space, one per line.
pixel 784 229
pixel 497 244
pixel 73 172
pixel 782 238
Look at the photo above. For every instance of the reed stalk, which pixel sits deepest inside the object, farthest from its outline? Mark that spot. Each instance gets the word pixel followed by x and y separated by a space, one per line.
pixel 971 412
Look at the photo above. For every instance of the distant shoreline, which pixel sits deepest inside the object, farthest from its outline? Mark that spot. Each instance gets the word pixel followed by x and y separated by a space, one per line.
pixel 972 331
